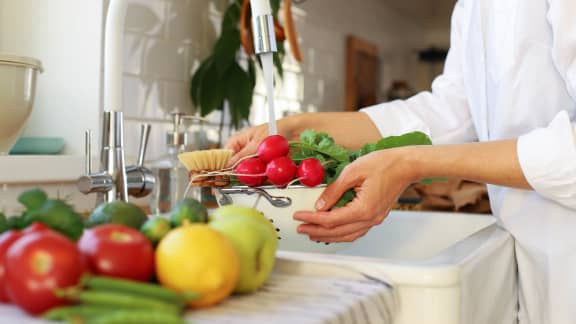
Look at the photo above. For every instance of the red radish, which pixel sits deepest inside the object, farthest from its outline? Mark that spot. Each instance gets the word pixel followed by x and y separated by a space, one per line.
pixel 281 171
pixel 311 172
pixel 273 146
pixel 250 168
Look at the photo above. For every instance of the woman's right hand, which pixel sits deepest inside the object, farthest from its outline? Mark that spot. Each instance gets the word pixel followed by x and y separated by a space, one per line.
pixel 246 142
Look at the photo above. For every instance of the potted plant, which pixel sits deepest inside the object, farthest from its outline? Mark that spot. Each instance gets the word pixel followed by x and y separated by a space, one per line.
pixel 228 74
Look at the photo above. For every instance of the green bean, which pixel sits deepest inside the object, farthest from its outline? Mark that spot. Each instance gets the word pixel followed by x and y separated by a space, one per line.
pixel 138 288
pixel 81 311
pixel 118 300
pixel 137 317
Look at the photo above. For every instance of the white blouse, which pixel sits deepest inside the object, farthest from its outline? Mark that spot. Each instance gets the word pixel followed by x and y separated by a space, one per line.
pixel 511 73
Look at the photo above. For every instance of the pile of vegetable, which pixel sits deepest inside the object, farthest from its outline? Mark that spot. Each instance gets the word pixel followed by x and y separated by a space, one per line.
pixel 313 160
pixel 121 266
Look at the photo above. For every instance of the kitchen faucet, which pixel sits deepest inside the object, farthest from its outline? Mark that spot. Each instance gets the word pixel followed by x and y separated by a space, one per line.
pixel 115 181
pixel 263 27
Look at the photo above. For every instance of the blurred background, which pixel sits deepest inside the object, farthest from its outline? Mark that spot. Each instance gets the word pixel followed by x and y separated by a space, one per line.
pixel 354 54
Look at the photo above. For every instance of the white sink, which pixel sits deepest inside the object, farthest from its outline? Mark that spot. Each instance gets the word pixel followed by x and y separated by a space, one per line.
pixel 446 268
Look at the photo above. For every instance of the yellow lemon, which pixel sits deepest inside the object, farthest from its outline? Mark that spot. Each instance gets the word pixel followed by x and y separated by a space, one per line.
pixel 199 259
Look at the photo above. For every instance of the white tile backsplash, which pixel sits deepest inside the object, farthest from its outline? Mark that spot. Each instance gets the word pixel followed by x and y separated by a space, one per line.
pixel 146 17
pixel 167 39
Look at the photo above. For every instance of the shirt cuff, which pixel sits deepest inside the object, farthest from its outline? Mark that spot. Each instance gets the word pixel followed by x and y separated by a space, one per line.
pixel 394 118
pixel 547 157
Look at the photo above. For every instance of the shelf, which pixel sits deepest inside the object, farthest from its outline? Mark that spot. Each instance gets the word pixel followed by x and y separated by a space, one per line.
pixel 40 168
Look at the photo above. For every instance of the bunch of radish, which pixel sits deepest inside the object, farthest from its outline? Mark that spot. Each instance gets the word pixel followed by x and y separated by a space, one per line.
pixel 272 163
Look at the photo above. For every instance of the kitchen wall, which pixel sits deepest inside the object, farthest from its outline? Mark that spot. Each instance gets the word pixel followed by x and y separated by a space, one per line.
pixel 66 36
pixel 166 39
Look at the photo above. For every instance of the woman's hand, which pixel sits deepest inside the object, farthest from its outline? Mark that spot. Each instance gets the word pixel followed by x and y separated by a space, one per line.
pixel 246 142
pixel 378 178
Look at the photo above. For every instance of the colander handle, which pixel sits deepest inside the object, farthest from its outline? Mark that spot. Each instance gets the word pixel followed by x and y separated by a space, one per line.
pixel 276 201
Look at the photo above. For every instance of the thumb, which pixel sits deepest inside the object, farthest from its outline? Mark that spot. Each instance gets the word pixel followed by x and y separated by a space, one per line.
pixel 335 190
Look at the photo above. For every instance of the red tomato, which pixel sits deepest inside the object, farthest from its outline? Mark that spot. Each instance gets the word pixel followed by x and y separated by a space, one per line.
pixel 37 265
pixel 6 240
pixel 118 251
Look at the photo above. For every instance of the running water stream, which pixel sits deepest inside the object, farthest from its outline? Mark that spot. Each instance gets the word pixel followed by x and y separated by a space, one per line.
pixel 268 71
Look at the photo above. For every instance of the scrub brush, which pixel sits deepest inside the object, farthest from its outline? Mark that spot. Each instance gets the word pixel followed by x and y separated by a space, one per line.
pixel 204 166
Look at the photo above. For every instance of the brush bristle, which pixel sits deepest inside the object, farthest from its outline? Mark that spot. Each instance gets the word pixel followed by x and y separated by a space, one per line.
pixel 210 160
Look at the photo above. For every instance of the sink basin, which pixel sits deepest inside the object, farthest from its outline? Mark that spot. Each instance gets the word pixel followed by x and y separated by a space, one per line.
pixel 446 268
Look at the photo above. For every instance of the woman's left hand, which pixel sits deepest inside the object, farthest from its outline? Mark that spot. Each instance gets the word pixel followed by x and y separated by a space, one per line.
pixel 378 178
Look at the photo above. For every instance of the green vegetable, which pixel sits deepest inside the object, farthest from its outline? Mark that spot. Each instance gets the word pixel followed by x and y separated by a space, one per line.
pixel 103 315
pixel 137 317
pixel 313 144
pixel 137 288
pixel 33 199
pixel 3 223
pixel 188 211
pixel 335 158
pixel 18 222
pixel 59 216
pixel 69 313
pixel 156 228
pixel 415 138
pixel 118 300
pixel 117 212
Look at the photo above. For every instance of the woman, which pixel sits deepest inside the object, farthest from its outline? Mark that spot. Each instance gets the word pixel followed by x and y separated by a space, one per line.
pixel 510 83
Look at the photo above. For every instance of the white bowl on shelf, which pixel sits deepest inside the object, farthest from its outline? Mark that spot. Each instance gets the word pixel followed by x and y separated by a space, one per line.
pixel 288 201
pixel 17 90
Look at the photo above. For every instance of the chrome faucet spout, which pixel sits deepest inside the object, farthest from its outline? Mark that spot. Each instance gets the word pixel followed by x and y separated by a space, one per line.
pixel 263 27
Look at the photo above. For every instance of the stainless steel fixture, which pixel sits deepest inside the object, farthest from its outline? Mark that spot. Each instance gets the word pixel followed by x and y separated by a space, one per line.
pixel 263 27
pixel 264 37
pixel 171 176
pixel 115 181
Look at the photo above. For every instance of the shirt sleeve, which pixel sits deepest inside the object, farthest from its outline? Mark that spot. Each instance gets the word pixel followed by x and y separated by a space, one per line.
pixel 547 156
pixel 443 113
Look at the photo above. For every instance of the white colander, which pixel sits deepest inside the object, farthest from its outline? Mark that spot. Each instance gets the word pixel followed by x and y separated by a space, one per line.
pixel 279 205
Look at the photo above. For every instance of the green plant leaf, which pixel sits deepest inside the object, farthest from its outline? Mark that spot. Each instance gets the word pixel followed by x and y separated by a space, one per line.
pixel 335 152
pixel 231 16
pixel 278 58
pixel 197 79
pixel 275 4
pixel 238 92
pixel 252 73
pixel 347 197
pixel 408 139
pixel 225 49
pixel 211 91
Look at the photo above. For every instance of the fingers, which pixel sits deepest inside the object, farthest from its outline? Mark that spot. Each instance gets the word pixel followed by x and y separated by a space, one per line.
pixel 248 149
pixel 332 193
pixel 316 232
pixel 339 233
pixel 331 219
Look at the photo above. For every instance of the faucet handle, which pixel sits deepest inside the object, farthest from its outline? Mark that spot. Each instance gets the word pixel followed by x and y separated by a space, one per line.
pixel 139 180
pixel 99 182
pixel 88 151
pixel 144 136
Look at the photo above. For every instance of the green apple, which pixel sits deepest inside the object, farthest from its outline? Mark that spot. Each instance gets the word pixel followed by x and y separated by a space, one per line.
pixel 255 242
pixel 234 211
